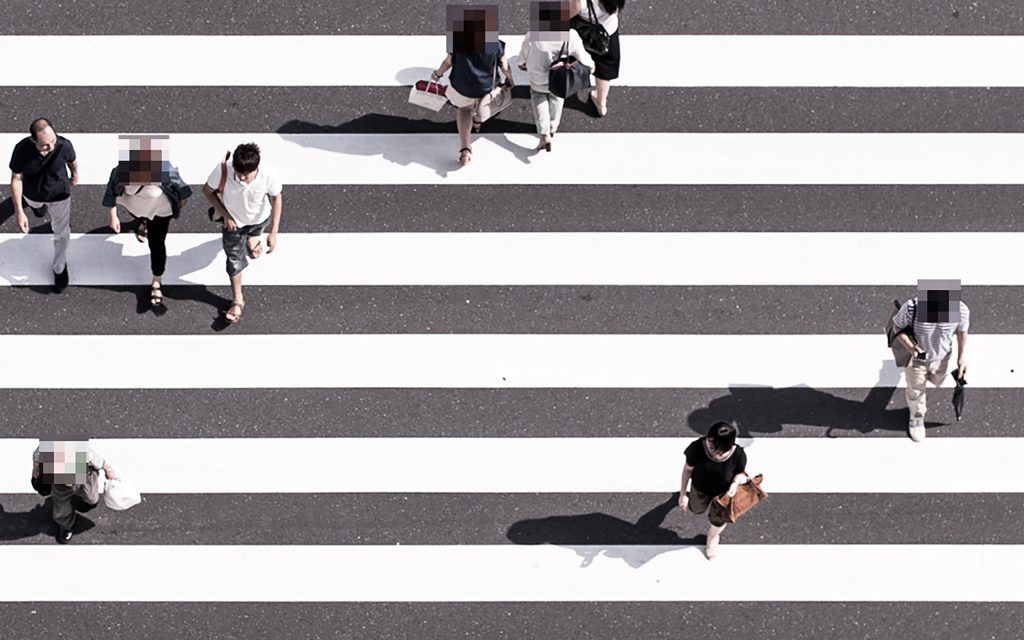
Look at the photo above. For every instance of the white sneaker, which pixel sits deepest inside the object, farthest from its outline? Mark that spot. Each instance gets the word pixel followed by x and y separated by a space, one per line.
pixel 917 428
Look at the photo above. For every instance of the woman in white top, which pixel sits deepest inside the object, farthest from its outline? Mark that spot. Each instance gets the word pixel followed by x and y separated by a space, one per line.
pixel 153 192
pixel 541 46
pixel 606 14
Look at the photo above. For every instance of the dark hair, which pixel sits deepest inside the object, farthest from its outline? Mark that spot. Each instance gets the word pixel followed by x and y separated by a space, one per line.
pixel 549 15
pixel 611 6
pixel 722 435
pixel 246 158
pixel 468 26
pixel 38 126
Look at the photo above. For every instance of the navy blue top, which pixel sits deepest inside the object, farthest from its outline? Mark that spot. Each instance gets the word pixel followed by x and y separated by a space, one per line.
pixel 472 74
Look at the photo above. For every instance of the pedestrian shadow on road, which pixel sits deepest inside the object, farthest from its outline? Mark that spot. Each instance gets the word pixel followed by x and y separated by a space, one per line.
pixel 755 409
pixel 593 534
pixel 35 522
pixel 442 159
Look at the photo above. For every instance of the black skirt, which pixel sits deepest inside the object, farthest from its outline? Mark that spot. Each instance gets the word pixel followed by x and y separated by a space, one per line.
pixel 606 67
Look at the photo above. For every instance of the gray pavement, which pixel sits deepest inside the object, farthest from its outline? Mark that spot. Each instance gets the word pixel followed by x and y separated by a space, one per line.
pixel 703 310
pixel 498 413
pixel 357 17
pixel 383 110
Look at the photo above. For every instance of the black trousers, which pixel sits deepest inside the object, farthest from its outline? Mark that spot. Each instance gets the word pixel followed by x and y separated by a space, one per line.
pixel 156 234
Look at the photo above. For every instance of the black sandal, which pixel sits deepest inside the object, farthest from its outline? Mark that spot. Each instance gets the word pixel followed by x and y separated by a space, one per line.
pixel 141 231
pixel 465 155
pixel 156 295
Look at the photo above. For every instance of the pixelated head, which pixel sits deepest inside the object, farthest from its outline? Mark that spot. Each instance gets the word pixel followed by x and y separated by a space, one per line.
pixel 246 160
pixel 722 436
pixel 549 16
pixel 472 29
pixel 143 160
pixel 939 300
pixel 43 135
pixel 64 461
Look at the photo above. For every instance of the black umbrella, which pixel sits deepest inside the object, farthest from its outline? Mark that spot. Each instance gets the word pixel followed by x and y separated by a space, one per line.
pixel 959 394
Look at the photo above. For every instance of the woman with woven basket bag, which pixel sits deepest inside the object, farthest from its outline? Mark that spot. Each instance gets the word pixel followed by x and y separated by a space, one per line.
pixel 716 465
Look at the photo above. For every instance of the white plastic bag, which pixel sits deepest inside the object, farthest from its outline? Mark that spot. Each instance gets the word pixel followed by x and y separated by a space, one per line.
pixel 120 495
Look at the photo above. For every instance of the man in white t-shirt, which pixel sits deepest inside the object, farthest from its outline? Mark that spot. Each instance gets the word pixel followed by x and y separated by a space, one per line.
pixel 250 200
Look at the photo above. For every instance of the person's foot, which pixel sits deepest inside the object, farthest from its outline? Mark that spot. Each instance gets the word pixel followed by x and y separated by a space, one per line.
pixel 711 547
pixel 916 428
pixel 156 294
pixel 64 536
pixel 141 231
pixel 602 110
pixel 234 312
pixel 544 144
pixel 465 155
pixel 60 280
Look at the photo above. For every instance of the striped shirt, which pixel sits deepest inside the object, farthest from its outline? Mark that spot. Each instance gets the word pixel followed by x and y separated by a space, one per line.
pixel 935 338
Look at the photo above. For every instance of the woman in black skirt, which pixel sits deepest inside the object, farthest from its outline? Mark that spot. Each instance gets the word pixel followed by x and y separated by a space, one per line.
pixel 716 465
pixel 606 14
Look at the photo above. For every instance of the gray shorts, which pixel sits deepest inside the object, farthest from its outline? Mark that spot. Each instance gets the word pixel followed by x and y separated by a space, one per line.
pixel 234 243
pixel 700 502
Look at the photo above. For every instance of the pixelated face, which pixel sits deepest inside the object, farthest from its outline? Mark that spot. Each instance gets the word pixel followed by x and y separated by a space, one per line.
pixel 63 461
pixel 46 141
pixel 549 20
pixel 472 28
pixel 142 160
pixel 939 300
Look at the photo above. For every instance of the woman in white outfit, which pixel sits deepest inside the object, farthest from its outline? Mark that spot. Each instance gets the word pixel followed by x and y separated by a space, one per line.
pixel 542 45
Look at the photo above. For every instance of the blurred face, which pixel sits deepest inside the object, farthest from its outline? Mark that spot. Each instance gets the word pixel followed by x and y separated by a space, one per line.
pixel 45 141
pixel 247 177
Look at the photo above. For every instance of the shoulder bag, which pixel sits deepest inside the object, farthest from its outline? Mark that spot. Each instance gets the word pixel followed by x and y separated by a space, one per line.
pixel 595 39
pixel 747 495
pixel 900 352
pixel 494 101
pixel 212 213
pixel 566 75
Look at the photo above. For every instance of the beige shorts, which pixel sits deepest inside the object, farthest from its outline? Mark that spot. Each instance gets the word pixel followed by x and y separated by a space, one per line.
pixel 458 100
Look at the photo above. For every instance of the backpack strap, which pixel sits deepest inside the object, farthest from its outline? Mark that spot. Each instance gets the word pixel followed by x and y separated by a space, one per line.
pixel 223 174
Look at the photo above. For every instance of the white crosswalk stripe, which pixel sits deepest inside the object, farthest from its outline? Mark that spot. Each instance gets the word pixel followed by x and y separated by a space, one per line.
pixel 575 565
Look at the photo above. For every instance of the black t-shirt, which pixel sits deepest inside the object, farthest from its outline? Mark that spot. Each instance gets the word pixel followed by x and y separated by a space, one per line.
pixel 44 178
pixel 713 478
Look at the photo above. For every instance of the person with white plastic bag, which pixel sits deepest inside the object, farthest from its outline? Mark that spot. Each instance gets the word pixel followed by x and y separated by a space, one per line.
pixel 68 472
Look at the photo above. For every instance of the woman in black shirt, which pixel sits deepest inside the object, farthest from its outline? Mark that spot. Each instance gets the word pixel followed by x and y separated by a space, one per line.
pixel 716 465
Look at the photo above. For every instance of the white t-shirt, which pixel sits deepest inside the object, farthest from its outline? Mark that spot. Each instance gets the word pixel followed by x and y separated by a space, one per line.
pixel 610 21
pixel 539 53
pixel 247 203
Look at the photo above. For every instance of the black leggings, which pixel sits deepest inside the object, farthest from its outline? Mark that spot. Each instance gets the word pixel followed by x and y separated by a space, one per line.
pixel 156 233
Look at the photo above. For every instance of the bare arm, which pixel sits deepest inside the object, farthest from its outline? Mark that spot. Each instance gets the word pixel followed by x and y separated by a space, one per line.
pixel 446 64
pixel 19 210
pixel 961 345
pixel 684 500
pixel 211 197
pixel 73 165
pixel 275 221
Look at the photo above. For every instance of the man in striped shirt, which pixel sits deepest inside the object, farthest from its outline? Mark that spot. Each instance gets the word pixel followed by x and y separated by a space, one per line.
pixel 937 313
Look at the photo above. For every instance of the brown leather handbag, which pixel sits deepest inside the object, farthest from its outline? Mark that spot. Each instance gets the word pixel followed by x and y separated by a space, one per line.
pixel 747 495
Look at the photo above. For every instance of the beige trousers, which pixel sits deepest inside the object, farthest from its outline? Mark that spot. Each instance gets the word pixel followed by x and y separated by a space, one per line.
pixel 918 376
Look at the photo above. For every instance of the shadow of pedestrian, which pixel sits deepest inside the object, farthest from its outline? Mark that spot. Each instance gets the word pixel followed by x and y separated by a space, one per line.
pixel 35 522
pixel 594 534
pixel 756 409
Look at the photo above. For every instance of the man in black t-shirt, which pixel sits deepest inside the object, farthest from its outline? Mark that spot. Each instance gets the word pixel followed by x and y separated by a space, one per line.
pixel 40 181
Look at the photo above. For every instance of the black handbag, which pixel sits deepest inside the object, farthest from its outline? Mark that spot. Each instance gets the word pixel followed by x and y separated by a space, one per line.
pixel 595 39
pixel 567 75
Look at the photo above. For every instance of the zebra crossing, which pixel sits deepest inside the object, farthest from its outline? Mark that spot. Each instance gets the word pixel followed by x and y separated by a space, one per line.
pixel 459 398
